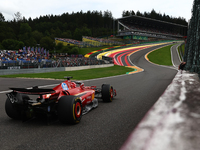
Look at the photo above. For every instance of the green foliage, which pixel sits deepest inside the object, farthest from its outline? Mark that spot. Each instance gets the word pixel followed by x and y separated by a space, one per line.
pixel 25 28
pixel 6 32
pixel 59 46
pixel 75 50
pixel 25 35
pixel 1 47
pixel 20 45
pixel 11 44
pixel 78 33
pixel 66 34
pixel 47 42
pixel 69 50
pixel 2 19
pixel 67 26
pixel 181 51
pixel 37 35
pixel 73 26
pixel 30 41
pixel 183 48
pixel 65 49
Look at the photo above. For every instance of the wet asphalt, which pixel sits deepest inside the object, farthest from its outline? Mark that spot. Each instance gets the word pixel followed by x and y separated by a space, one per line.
pixel 173 122
pixel 104 128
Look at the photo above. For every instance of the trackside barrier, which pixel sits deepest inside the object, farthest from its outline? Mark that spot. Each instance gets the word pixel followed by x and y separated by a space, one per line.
pixel 87 67
pixel 173 122
pixel 43 70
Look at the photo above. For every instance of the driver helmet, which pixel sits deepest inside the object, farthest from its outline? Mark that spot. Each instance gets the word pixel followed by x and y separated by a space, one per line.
pixel 73 85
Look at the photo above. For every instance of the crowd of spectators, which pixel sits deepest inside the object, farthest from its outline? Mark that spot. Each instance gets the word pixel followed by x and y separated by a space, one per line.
pixel 78 61
pixel 70 41
pixel 37 57
pixel 21 55
pixel 101 41
pixel 105 41
pixel 20 59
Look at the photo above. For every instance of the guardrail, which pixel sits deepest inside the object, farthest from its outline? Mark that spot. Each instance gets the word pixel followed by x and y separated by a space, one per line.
pixel 55 69
pixel 66 62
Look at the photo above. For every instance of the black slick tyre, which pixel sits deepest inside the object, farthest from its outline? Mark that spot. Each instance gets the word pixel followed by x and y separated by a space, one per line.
pixel 69 109
pixel 107 92
pixel 11 111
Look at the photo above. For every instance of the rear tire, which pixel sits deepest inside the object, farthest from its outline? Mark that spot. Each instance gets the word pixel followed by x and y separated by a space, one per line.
pixel 11 109
pixel 69 109
pixel 107 92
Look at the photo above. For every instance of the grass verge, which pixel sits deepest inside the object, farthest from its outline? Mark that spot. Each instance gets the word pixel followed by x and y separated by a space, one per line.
pixel 161 56
pixel 79 74
pixel 181 50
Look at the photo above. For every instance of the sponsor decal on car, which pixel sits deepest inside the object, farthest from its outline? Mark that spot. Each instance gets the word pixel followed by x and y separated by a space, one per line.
pixel 83 100
pixel 88 98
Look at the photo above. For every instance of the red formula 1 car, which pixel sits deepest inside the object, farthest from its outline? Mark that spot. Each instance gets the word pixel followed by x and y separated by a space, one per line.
pixel 68 101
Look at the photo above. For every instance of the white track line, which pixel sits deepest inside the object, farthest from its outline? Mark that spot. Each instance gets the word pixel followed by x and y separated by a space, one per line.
pixel 178 52
pixel 172 59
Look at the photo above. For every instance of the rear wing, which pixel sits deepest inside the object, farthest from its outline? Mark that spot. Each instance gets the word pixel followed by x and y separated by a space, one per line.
pixel 34 91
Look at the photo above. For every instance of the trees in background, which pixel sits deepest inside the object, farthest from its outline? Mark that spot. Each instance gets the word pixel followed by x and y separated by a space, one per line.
pixel 44 29
pixel 12 44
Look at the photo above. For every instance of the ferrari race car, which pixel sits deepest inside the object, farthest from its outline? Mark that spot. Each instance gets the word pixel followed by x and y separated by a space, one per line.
pixel 68 101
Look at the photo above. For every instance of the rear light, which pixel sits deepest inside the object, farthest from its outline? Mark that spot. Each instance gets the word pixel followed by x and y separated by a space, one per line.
pixel 46 96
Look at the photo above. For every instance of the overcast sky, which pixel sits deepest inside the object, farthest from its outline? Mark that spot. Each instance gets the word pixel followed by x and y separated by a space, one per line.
pixel 36 8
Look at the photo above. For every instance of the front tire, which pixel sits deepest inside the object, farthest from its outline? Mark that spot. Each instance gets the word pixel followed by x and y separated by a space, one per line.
pixel 69 109
pixel 107 92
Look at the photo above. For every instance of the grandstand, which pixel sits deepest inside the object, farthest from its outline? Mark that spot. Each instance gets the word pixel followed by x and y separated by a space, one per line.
pixel 68 42
pixel 142 28
pixel 87 42
pixel 99 41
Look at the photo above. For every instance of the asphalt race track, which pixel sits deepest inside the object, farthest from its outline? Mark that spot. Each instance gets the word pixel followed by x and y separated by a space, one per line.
pixel 104 128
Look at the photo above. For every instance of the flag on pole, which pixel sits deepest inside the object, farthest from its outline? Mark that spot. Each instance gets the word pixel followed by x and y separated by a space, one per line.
pixel 24 49
pixel 48 54
pixel 36 50
pixel 29 49
pixel 42 50
pixel 39 50
pixel 45 52
pixel 32 50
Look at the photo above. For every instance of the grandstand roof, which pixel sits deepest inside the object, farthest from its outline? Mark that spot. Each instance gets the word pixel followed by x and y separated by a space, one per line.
pixel 135 18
